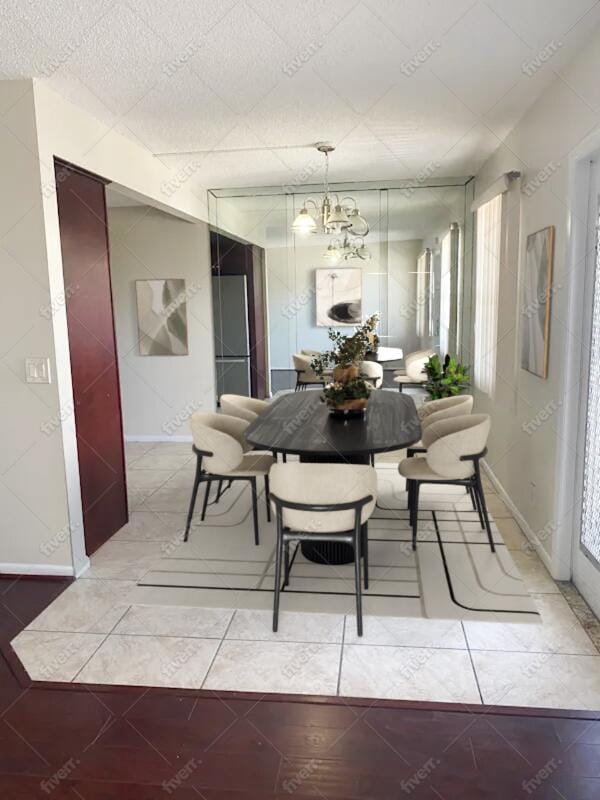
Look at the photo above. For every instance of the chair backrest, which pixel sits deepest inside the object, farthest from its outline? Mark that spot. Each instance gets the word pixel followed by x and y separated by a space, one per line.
pixel 323 484
pixel 302 365
pixel 221 435
pixel 447 440
pixel 372 371
pixel 414 363
pixel 310 353
pixel 445 408
pixel 238 405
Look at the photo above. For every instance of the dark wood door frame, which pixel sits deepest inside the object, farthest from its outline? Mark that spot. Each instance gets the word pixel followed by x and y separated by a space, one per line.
pixel 233 257
pixel 93 353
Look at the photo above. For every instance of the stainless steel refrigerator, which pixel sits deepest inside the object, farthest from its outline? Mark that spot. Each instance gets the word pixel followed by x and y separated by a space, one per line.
pixel 232 340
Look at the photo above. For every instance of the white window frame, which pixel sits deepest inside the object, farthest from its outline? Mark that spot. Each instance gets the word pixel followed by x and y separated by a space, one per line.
pixel 488 251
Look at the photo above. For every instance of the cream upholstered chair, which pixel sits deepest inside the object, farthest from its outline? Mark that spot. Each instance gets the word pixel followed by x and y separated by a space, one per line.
pixel 310 353
pixel 238 405
pixel 444 408
pixel 454 448
pixel 372 372
pixel 305 375
pixel 222 454
pixel 323 503
pixel 414 364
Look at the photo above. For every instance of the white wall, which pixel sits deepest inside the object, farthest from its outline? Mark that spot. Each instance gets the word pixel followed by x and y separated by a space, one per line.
pixel 539 146
pixel 41 528
pixel 158 393
pixel 402 293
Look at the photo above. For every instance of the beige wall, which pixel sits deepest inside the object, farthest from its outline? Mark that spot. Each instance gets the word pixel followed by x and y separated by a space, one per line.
pixel 41 527
pixel 159 393
pixel 540 146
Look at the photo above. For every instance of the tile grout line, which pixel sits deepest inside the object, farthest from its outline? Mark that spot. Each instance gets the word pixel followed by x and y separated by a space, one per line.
pixel 341 661
pixel 472 663
pixel 99 645
pixel 218 650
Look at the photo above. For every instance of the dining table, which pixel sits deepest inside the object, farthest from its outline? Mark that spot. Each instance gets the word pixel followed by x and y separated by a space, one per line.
pixel 301 424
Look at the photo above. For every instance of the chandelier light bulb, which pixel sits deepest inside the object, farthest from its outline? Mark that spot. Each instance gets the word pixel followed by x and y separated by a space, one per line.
pixel 304 223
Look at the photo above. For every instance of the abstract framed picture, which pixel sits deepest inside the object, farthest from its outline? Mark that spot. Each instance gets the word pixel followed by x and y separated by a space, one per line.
pixel 536 292
pixel 162 317
pixel 339 296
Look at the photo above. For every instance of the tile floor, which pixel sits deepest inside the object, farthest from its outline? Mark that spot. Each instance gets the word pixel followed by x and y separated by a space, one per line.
pixel 105 628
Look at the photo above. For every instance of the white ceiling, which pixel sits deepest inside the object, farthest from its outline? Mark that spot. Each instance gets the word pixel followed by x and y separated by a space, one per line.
pixel 216 75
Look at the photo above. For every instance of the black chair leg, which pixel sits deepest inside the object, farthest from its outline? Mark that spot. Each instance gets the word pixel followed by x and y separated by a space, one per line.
pixel 267 498
pixel 219 491
pixel 415 511
pixel 197 479
pixel 277 586
pixel 254 509
pixel 482 503
pixel 284 458
pixel 365 553
pixel 357 578
pixel 205 503
pixel 477 504
pixel 286 572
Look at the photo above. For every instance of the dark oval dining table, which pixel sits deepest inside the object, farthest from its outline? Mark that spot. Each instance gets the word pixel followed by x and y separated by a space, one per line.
pixel 300 424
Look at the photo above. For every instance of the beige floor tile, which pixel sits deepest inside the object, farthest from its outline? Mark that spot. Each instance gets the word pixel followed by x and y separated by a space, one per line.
pixel 293 627
pixel 146 481
pixel 407 632
pixel 543 680
pixel 408 673
pixel 86 606
pixel 152 526
pixel 50 656
pixel 124 560
pixel 307 668
pixel 534 573
pixel 512 535
pixel 201 623
pixel 157 459
pixel 150 661
pixel 559 631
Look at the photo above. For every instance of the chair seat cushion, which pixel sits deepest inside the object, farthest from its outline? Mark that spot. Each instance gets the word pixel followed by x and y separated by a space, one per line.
pixel 255 463
pixel 417 469
pixel 317 484
pixel 408 379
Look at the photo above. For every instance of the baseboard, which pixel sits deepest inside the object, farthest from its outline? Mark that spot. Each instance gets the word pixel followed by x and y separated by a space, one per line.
pixel 83 568
pixel 138 438
pixel 523 524
pixel 50 570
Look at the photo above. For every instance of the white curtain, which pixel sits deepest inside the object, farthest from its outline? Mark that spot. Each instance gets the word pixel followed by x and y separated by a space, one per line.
pixel 487 278
pixel 422 295
pixel 445 292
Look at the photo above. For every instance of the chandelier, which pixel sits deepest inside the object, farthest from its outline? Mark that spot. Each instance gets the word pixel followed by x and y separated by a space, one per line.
pixel 340 218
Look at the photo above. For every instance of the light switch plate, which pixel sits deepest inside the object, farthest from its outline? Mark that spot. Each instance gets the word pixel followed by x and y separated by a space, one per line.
pixel 37 370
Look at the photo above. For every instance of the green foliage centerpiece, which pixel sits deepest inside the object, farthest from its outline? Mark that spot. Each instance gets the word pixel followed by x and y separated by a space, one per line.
pixel 347 393
pixel 447 379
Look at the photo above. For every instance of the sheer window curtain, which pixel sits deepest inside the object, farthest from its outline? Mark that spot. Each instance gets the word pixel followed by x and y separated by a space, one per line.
pixel 487 279
pixel 445 293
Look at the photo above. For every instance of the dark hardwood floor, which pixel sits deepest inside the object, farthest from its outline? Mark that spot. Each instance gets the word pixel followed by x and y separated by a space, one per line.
pixel 96 743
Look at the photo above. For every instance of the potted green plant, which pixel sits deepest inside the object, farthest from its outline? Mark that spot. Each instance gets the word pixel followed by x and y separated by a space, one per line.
pixel 447 379
pixel 348 393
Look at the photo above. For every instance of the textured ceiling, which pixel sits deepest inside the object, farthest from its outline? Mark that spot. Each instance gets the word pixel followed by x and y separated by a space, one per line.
pixel 400 86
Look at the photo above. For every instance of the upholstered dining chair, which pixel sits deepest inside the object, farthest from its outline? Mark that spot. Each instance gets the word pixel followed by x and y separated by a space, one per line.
pixel 372 372
pixel 414 364
pixel 222 454
pixel 322 503
pixel 305 375
pixel 238 405
pixel 444 408
pixel 454 448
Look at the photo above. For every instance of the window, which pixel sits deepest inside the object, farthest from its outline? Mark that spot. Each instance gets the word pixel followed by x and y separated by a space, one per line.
pixel 423 293
pixel 487 277
pixel 445 293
